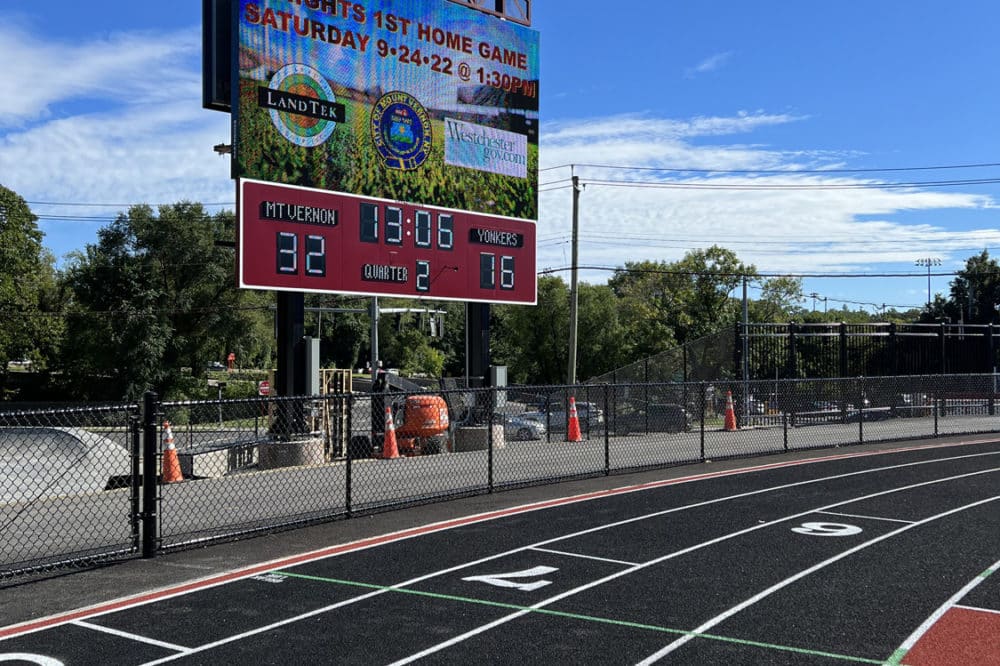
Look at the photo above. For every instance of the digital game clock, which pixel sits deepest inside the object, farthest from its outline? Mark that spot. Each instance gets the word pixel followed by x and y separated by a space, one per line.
pixel 301 239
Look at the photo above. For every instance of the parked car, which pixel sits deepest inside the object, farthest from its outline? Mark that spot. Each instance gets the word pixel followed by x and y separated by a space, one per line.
pixel 520 428
pixel 589 415
pixel 665 417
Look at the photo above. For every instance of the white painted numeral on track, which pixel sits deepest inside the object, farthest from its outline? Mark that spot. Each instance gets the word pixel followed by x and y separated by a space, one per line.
pixel 39 659
pixel 505 579
pixel 827 529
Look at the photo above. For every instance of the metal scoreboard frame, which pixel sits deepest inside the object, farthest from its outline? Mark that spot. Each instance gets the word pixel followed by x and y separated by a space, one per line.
pixel 306 240
pixel 385 148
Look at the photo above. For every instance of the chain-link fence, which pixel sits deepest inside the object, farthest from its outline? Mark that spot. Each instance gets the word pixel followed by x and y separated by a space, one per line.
pixel 91 484
pixel 68 486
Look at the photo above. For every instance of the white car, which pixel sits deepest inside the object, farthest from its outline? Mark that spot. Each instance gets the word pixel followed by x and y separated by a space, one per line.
pixel 521 428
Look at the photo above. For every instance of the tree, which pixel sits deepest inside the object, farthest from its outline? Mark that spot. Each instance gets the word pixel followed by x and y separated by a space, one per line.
pixel 664 305
pixel 600 332
pixel 779 299
pixel 155 295
pixel 29 297
pixel 975 292
pixel 537 349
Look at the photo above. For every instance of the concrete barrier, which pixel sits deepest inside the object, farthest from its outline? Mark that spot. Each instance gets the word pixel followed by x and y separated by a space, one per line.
pixel 296 453
pixel 476 438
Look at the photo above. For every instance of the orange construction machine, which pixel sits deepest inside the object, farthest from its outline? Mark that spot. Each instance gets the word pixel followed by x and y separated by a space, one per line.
pixel 424 425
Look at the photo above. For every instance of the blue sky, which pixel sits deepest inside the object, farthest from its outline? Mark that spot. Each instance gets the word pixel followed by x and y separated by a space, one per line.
pixel 103 110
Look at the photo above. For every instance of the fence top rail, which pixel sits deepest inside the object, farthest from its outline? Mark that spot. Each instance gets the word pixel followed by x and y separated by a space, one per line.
pixel 62 411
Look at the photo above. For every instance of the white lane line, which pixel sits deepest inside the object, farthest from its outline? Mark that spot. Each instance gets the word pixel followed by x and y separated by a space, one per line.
pixel 977 609
pixel 197 585
pixel 132 637
pixel 583 557
pixel 513 616
pixel 799 576
pixel 490 558
pixel 855 515
pixel 925 626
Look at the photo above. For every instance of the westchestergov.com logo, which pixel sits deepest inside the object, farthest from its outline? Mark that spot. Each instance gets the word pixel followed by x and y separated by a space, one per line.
pixel 401 130
pixel 302 105
pixel 485 148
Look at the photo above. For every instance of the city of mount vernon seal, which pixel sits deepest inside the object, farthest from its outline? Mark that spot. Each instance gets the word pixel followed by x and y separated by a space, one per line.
pixel 401 130
pixel 302 105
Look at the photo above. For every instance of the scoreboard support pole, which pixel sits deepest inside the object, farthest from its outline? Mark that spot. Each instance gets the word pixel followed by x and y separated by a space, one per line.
pixel 291 372
pixel 477 344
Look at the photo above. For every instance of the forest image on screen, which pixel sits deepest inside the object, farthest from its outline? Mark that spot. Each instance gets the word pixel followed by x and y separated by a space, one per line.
pixel 423 101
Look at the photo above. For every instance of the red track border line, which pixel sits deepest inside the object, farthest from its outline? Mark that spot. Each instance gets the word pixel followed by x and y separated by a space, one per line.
pixel 143 598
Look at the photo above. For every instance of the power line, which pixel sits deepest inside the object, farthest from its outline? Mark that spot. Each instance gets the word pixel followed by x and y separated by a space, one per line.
pixel 787 186
pixel 942 167
pixel 659 271
pixel 118 205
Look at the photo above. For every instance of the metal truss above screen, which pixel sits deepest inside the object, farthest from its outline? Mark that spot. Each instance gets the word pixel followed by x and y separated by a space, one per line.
pixel 518 11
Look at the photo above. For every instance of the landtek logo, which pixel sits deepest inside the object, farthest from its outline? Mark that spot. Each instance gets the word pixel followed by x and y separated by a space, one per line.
pixel 401 131
pixel 302 105
pixel 485 148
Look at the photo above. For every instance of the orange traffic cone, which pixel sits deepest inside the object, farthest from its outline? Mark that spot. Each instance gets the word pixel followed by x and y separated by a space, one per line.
pixel 730 423
pixel 573 429
pixel 390 449
pixel 171 466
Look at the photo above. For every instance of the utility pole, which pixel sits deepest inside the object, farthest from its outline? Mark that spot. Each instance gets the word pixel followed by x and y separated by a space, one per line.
pixel 573 294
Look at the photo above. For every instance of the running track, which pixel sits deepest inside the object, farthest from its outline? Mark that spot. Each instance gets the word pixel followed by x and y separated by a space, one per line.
pixel 867 557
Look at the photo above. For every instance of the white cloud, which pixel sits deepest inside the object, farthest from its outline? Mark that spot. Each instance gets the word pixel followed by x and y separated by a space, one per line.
pixel 819 229
pixel 709 64
pixel 150 141
pixel 126 68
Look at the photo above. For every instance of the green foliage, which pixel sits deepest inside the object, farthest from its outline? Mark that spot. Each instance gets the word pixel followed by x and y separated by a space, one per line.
pixel 974 293
pixel 29 293
pixel 154 295
pixel 537 336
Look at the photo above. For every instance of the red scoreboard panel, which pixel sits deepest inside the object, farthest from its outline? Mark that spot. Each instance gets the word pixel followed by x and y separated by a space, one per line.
pixel 300 239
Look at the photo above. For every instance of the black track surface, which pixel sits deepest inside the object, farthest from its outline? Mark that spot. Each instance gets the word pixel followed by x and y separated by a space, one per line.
pixel 628 574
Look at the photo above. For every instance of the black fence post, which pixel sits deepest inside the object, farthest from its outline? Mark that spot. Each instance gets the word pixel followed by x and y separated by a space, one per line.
pixel 349 473
pixel 489 438
pixel 607 436
pixel 135 433
pixel 645 395
pixel 784 428
pixel 861 410
pixel 793 354
pixel 934 401
pixel 704 394
pixel 991 368
pixel 843 370
pixel 943 348
pixel 150 518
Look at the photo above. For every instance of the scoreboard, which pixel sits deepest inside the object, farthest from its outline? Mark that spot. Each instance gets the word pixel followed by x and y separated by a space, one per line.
pixel 306 240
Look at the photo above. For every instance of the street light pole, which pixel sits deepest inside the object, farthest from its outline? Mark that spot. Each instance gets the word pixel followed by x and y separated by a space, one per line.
pixel 928 262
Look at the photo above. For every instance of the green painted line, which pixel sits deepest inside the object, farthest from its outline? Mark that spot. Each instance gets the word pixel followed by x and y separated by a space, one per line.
pixel 589 618
pixel 897 657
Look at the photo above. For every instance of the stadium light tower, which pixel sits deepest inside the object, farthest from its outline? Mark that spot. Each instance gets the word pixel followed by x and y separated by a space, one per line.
pixel 928 262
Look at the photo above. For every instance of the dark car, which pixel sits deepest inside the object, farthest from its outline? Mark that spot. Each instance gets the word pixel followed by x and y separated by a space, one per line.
pixel 667 417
